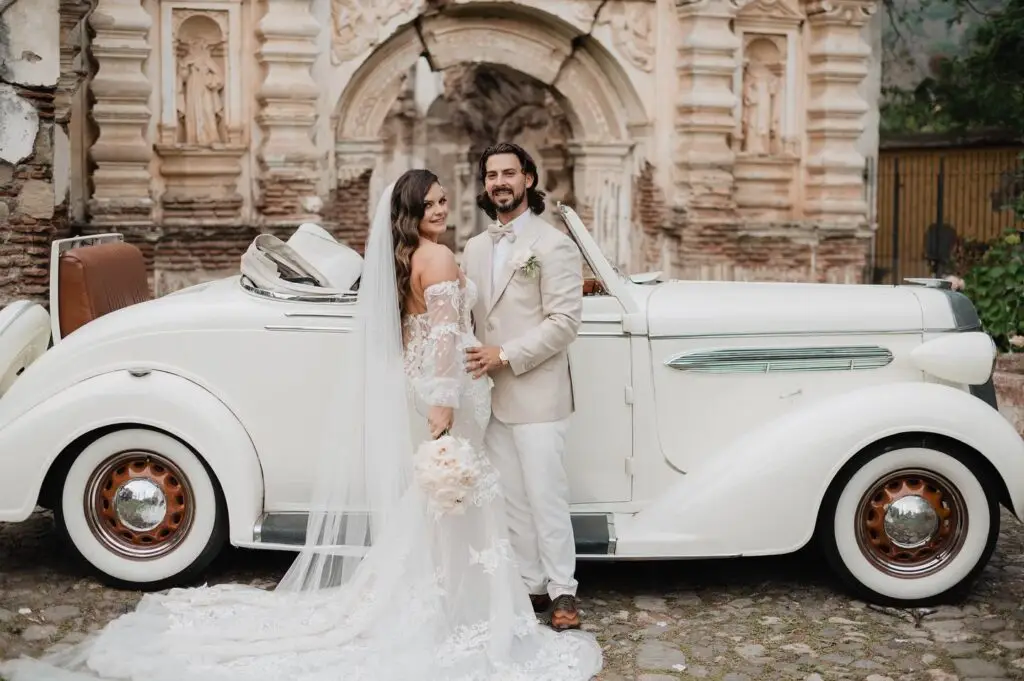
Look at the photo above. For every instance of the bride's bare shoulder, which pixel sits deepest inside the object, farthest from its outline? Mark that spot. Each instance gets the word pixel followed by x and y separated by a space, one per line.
pixel 433 263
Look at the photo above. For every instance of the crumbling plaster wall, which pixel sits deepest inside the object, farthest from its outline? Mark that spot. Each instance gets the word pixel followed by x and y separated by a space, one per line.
pixel 30 70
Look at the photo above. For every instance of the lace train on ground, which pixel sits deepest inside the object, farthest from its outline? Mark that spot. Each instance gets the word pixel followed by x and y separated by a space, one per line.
pixel 436 599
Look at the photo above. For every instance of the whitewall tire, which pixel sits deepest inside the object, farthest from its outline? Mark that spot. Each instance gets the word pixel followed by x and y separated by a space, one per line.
pixel 142 509
pixel 910 523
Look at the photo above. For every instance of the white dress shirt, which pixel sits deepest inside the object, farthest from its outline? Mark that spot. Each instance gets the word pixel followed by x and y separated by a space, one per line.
pixel 503 248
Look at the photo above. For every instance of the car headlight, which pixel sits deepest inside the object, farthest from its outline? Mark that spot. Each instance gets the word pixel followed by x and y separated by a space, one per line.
pixel 967 357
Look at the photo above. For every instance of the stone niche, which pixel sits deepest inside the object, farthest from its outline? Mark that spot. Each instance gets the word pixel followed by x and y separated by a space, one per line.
pixel 201 132
pixel 767 133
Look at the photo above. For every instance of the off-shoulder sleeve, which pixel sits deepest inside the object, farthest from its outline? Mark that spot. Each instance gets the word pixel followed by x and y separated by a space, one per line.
pixel 443 362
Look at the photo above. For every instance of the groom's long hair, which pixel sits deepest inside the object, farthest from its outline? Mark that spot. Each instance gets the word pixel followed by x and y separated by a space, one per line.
pixel 534 196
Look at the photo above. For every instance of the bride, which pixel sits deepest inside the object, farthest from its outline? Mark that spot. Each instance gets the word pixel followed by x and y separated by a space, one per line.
pixel 399 590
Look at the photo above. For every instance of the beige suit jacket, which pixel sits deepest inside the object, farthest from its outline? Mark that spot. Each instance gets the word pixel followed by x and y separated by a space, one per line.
pixel 533 317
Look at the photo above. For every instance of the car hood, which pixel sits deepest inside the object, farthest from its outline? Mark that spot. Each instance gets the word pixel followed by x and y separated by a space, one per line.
pixel 711 308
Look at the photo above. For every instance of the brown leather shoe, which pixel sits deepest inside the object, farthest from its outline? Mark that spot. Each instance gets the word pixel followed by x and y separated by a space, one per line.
pixel 565 615
pixel 541 602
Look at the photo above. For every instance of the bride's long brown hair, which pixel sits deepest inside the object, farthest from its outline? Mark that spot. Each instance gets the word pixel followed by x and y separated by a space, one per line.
pixel 408 205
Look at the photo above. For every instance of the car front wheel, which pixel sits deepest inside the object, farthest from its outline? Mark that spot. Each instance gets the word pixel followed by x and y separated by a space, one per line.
pixel 910 524
pixel 142 509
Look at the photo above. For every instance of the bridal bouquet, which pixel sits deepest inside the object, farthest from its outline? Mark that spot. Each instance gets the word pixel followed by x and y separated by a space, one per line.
pixel 447 470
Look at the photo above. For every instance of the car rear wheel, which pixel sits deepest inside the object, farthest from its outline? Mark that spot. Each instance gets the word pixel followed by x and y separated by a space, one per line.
pixel 910 525
pixel 142 509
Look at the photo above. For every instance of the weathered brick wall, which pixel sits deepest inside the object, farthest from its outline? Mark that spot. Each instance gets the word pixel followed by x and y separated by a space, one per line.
pixel 29 221
pixel 180 256
pixel 784 252
pixel 346 213
pixel 656 242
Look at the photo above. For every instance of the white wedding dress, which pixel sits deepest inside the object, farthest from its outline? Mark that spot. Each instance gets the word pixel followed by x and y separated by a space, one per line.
pixel 435 599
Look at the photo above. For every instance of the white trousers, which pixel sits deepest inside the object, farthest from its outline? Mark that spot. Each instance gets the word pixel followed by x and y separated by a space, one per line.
pixel 530 459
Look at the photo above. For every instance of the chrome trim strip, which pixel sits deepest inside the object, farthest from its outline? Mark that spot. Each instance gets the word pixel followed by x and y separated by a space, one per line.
pixel 326 315
pixel 801 334
pixel 776 360
pixel 346 298
pixel 297 327
pixel 613 539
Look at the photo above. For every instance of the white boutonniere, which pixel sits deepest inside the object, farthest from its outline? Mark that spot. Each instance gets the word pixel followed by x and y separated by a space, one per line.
pixel 526 262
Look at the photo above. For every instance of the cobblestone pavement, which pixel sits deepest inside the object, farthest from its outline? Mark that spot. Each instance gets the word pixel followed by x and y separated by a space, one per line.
pixel 738 620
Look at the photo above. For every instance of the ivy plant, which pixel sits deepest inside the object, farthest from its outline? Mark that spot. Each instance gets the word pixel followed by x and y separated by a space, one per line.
pixel 995 284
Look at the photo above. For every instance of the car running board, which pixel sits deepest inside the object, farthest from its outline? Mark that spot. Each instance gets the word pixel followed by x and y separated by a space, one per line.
pixel 594 532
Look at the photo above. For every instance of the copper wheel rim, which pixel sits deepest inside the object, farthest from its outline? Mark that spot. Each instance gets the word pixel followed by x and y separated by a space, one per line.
pixel 139 528
pixel 910 488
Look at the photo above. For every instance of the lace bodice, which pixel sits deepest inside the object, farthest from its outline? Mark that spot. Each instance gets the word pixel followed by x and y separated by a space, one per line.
pixel 435 351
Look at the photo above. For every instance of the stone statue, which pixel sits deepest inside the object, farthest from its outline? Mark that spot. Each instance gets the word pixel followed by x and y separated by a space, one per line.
pixel 752 140
pixel 761 110
pixel 200 94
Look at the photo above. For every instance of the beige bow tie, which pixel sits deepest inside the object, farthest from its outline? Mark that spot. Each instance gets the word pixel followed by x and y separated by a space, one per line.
pixel 498 231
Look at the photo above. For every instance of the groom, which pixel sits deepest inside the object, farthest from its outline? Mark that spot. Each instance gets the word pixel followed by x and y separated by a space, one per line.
pixel 530 279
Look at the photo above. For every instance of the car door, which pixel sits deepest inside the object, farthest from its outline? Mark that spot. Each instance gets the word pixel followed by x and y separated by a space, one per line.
pixel 600 439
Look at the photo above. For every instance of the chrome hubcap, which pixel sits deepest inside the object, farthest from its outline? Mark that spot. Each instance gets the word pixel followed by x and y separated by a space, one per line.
pixel 139 505
pixel 911 523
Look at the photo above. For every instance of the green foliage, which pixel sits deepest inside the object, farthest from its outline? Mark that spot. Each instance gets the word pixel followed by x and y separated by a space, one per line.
pixel 913 111
pixel 995 284
pixel 981 87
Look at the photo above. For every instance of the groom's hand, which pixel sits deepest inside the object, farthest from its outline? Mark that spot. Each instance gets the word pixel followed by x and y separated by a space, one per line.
pixel 483 360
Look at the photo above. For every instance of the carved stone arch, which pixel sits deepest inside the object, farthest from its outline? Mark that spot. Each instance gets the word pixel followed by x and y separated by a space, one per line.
pixel 596 92
pixel 608 119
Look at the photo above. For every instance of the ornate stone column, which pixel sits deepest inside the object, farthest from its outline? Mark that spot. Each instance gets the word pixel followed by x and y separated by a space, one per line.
pixel 72 70
pixel 837 63
pixel 122 154
pixel 288 158
pixel 603 184
pixel 704 108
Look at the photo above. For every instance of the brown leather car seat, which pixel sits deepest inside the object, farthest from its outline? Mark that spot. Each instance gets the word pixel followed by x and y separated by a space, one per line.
pixel 97 280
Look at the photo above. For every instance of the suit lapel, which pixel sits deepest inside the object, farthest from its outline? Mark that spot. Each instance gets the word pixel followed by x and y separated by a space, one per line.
pixel 487 268
pixel 525 239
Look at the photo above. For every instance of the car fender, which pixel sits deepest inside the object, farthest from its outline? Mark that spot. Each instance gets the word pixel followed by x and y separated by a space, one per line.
pixel 30 444
pixel 761 495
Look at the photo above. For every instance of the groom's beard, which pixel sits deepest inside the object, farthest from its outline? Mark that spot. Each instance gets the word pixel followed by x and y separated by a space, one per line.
pixel 506 203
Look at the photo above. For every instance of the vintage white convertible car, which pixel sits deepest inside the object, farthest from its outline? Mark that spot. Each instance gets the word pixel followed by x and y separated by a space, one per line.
pixel 714 419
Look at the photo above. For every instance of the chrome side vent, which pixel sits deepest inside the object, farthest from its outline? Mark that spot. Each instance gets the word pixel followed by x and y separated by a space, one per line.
pixel 781 360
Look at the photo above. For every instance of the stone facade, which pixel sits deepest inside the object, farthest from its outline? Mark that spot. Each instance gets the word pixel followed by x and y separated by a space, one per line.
pixel 1009 381
pixel 40 71
pixel 722 139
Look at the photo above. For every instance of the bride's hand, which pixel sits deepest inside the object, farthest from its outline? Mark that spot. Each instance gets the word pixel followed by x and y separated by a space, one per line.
pixel 440 419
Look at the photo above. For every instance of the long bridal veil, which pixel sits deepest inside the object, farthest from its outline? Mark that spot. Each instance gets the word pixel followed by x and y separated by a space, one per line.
pixel 364 465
